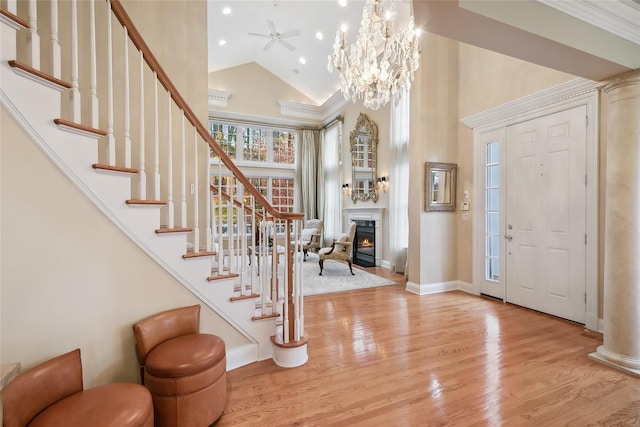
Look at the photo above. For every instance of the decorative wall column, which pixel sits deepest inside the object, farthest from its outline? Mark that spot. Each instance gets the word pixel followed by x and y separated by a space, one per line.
pixel 621 345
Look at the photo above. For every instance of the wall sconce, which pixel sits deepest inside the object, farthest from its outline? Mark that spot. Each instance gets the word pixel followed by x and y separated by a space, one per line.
pixel 382 183
pixel 346 189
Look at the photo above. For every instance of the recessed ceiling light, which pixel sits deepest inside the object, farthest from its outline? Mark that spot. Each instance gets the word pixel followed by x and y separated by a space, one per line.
pixel 302 60
pixel 227 10
pixel 319 35
pixel 342 3
pixel 222 42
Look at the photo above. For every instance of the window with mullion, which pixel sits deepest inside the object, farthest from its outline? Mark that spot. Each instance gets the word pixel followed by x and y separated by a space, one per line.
pixel 492 212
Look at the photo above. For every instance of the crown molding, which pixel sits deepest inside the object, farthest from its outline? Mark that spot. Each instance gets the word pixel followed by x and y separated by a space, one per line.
pixel 620 17
pixel 564 91
pixel 320 113
pixel 219 98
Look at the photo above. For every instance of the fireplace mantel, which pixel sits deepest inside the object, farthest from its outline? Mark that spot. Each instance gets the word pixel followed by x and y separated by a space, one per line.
pixel 367 213
pixel 364 212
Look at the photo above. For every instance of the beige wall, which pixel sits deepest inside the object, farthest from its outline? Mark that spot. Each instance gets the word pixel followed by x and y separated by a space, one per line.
pixel 486 80
pixel 69 277
pixel 254 90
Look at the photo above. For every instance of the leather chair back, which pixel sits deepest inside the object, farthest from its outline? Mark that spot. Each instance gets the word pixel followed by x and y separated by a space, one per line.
pixel 45 384
pixel 160 327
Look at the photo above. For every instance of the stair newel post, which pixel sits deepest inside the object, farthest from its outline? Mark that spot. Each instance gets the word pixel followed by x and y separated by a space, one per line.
pixel 93 84
pixel 111 140
pixel 54 57
pixel 170 206
pixel 298 288
pixel 156 140
pixel 127 111
pixel 183 173
pixel 74 94
pixel 274 266
pixel 33 38
pixel 196 197
pixel 142 175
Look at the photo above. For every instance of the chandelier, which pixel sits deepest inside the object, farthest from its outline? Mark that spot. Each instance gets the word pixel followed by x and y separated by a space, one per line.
pixel 381 61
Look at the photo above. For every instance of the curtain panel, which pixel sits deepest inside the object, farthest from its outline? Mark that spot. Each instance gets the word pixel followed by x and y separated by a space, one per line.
pixel 329 182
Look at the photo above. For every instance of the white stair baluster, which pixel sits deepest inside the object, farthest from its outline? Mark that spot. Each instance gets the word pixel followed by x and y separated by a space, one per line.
pixel 33 38
pixel 74 93
pixel 208 213
pixel 196 197
pixel 111 139
pixel 230 223
pixel 127 114
pixel 142 174
pixel 220 204
pixel 183 174
pixel 170 206
pixel 93 88
pixel 54 57
pixel 156 140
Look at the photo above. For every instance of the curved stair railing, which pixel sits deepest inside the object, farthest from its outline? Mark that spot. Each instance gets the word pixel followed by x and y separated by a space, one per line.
pixel 151 133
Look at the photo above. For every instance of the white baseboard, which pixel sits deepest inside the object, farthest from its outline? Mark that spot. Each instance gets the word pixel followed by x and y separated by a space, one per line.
pixel 384 263
pixel 241 356
pixel 434 288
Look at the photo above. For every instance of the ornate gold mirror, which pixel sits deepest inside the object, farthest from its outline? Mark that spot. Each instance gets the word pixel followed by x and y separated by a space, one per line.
pixel 440 187
pixel 364 144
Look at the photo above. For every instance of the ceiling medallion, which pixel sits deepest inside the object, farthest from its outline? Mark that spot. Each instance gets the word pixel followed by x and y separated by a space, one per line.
pixel 382 60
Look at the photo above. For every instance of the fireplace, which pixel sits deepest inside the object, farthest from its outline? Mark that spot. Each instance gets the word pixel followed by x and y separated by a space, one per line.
pixel 364 249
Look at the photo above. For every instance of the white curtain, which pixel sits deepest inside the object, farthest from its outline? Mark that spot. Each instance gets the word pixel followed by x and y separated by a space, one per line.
pixel 399 177
pixel 306 182
pixel 329 182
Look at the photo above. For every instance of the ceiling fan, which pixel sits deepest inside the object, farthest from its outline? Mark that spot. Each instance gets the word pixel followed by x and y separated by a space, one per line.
pixel 275 36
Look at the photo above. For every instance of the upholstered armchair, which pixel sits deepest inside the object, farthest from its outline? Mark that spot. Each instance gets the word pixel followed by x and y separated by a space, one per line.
pixel 184 370
pixel 311 236
pixel 52 394
pixel 340 250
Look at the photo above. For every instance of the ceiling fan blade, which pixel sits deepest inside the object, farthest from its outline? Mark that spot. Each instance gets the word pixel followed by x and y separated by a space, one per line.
pixel 260 35
pixel 268 45
pixel 290 34
pixel 287 44
pixel 272 27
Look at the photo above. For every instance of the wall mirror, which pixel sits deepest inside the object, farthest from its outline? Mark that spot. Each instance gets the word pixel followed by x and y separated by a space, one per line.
pixel 364 144
pixel 440 187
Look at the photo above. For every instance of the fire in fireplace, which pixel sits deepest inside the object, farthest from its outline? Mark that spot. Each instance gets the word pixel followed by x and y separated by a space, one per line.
pixel 364 250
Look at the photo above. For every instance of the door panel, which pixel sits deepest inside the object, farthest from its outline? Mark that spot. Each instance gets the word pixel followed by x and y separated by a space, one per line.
pixel 545 214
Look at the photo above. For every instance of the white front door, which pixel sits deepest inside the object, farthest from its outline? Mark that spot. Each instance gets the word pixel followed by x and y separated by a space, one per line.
pixel 545 221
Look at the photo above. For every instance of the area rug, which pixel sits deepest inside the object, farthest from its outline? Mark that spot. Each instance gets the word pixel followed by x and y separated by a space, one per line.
pixel 336 278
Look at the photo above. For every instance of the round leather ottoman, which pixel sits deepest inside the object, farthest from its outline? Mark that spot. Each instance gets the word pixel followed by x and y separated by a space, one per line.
pixel 186 376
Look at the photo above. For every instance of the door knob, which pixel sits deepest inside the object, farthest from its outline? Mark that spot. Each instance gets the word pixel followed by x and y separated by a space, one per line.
pixel 508 236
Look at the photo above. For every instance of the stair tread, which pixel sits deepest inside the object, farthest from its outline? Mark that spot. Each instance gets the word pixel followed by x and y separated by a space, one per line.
pixel 222 276
pixel 189 255
pixel 165 230
pixel 265 316
pixel 145 202
pixel 78 126
pixel 244 297
pixel 110 168
pixel 28 69
pixel 14 18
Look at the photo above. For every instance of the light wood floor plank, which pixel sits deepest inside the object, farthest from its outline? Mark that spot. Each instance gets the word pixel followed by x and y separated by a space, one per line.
pixel 386 357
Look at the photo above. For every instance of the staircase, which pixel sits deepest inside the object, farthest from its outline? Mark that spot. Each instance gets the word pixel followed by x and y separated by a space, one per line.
pixel 216 256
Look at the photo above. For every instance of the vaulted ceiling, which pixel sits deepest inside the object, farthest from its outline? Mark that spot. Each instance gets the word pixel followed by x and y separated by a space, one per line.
pixel 594 39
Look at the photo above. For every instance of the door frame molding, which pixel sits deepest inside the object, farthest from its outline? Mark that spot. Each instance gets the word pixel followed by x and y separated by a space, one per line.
pixel 575 93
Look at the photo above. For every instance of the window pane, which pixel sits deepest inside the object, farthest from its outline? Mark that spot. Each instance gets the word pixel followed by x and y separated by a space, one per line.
pixel 254 144
pixel 492 246
pixel 492 222
pixel 492 153
pixel 492 176
pixel 226 136
pixel 282 191
pixel 283 147
pixel 492 200
pixel 492 272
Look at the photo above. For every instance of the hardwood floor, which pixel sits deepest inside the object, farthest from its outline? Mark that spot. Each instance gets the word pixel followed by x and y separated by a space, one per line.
pixel 383 356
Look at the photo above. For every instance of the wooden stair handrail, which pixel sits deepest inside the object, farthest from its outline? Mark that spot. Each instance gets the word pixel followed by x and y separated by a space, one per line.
pixel 150 59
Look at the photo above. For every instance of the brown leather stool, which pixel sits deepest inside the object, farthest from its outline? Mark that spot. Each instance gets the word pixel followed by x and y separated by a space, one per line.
pixel 184 370
pixel 51 394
